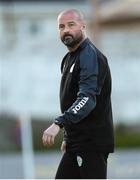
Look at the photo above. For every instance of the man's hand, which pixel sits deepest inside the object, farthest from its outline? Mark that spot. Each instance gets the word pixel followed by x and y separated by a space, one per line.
pixel 63 146
pixel 50 134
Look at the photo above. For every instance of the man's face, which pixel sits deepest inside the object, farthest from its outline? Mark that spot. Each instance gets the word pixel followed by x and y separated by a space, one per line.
pixel 70 29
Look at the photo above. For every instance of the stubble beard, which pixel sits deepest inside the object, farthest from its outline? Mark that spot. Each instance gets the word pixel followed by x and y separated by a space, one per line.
pixel 70 41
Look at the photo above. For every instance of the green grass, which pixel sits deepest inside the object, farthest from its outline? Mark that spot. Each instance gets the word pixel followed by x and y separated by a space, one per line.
pixel 127 140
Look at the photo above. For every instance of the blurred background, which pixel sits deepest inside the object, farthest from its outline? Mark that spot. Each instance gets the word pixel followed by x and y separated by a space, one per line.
pixel 30 58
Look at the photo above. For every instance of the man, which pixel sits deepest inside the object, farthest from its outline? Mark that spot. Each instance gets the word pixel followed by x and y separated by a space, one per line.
pixel 85 98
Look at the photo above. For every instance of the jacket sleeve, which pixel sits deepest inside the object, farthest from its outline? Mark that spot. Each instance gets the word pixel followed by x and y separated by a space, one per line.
pixel 88 89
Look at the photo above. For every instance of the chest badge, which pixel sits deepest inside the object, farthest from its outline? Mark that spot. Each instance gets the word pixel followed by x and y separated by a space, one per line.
pixel 72 67
pixel 79 161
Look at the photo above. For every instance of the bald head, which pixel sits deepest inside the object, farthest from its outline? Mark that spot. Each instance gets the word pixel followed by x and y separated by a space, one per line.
pixel 72 12
pixel 71 28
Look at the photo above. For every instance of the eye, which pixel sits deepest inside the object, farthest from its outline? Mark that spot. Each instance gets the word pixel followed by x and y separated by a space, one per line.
pixel 71 24
pixel 61 26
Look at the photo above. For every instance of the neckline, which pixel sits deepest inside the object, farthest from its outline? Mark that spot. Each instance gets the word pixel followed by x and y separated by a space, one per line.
pixel 81 46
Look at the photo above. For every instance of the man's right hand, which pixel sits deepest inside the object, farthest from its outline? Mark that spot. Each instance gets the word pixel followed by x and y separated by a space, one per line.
pixel 63 146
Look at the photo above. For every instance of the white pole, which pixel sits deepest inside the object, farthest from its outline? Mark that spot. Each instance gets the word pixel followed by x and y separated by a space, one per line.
pixel 27 147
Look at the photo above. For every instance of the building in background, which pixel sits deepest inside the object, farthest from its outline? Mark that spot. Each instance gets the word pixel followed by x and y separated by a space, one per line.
pixel 119 38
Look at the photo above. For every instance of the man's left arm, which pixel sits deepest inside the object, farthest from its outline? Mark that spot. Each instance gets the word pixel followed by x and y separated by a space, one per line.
pixel 88 89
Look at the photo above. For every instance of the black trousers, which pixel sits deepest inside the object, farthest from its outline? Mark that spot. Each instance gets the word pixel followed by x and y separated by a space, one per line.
pixel 83 165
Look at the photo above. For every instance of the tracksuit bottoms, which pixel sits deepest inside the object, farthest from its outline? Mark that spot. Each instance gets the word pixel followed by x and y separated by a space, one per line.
pixel 83 165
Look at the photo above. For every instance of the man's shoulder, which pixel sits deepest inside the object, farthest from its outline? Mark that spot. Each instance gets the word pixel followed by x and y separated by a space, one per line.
pixel 88 54
pixel 89 48
pixel 91 56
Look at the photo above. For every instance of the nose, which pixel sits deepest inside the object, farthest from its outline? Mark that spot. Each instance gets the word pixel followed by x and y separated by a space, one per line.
pixel 66 30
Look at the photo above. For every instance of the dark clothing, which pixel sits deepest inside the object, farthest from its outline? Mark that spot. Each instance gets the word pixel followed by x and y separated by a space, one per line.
pixel 83 165
pixel 85 97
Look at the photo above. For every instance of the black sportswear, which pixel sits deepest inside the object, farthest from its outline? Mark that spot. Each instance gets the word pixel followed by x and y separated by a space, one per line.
pixel 83 165
pixel 85 98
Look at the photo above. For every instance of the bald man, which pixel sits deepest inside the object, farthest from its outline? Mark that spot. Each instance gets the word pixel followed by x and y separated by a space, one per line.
pixel 85 98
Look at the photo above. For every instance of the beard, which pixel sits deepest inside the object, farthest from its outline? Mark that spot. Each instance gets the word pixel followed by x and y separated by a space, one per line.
pixel 71 41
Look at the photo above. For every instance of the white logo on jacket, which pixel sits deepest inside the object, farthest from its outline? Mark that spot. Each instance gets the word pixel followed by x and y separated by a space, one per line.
pixel 72 67
pixel 80 105
pixel 79 161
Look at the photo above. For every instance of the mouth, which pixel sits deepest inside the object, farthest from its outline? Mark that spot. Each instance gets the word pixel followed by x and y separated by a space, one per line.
pixel 67 37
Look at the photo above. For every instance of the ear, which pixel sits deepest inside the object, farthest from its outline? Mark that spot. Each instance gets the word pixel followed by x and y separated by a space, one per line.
pixel 83 27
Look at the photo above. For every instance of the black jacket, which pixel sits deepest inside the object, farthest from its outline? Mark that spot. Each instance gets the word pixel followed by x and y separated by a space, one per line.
pixel 85 98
